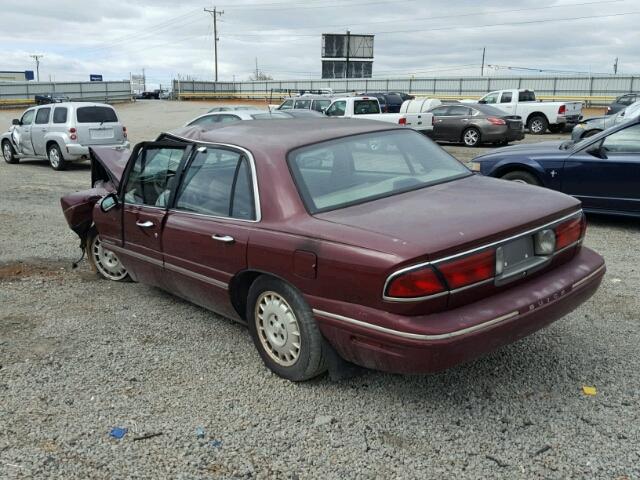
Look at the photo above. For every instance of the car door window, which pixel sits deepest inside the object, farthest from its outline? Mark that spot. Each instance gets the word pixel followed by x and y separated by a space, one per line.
pixel 150 178
pixel 218 182
pixel 304 104
pixel 337 109
pixel 42 117
pixel 506 97
pixel 626 100
pixel 60 115
pixel 491 98
pixel 206 120
pixel 27 117
pixel 319 105
pixel 459 111
pixel 287 105
pixel 623 141
pixel 228 118
pixel 440 111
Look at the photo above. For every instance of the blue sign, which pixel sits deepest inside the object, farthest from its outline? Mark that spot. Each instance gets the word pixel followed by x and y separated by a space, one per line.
pixel 95 78
pixel 28 75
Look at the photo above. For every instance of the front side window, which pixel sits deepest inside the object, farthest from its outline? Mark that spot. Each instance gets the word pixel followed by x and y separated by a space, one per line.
pixel 440 111
pixel 42 116
pixel 205 120
pixel 96 115
pixel 228 118
pixel 150 179
pixel 218 182
pixel 320 105
pixel 360 168
pixel 491 98
pixel 337 109
pixel 623 141
pixel 286 105
pixel 60 115
pixel 27 117
pixel 364 107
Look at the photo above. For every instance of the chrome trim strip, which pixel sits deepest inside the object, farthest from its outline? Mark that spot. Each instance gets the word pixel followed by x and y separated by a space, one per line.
pixel 137 255
pixel 588 277
pixel 197 276
pixel 468 252
pixel 417 336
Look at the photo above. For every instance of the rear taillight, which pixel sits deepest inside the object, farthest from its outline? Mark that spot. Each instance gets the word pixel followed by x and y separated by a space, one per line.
pixel 72 134
pixel 570 232
pixel 496 121
pixel 420 282
pixel 124 131
pixel 470 269
pixel 562 110
pixel 402 121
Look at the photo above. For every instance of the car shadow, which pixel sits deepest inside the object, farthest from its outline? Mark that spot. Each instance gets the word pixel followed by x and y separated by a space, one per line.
pixel 613 221
pixel 80 165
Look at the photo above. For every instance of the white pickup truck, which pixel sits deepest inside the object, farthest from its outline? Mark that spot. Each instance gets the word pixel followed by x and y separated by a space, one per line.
pixel 537 116
pixel 368 108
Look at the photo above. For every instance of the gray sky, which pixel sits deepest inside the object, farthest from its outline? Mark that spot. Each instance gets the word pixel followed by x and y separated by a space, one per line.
pixel 419 37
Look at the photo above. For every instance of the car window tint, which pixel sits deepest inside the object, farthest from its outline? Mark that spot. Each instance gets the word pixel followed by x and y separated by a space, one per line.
pixel 506 97
pixel 60 115
pixel 228 118
pixel 27 117
pixel 318 105
pixel 218 182
pixel 42 116
pixel 150 179
pixel 287 105
pixel 526 96
pixel 304 104
pixel 626 100
pixel 96 115
pixel 491 98
pixel 359 168
pixel 364 107
pixel 440 111
pixel 206 120
pixel 624 141
pixel 459 110
pixel 337 109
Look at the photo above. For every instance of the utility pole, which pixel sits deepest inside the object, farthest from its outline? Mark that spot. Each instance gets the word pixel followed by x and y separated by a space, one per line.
pixel 257 71
pixel 37 58
pixel 144 81
pixel 615 67
pixel 484 49
pixel 346 73
pixel 214 14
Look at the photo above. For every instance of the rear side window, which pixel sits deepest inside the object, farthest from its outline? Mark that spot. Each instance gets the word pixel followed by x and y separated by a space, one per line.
pixel 506 97
pixel 218 183
pixel 319 105
pixel 526 96
pixel 206 120
pixel 306 104
pixel 363 107
pixel 459 111
pixel 96 115
pixel 60 115
pixel 42 116
pixel 337 109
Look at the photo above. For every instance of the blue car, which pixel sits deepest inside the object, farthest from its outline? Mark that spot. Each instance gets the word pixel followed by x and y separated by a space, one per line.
pixel 603 171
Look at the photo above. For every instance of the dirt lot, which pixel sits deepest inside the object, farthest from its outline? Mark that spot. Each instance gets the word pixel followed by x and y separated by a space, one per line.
pixel 79 356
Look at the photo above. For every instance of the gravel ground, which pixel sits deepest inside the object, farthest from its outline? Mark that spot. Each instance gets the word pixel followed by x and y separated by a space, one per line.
pixel 79 356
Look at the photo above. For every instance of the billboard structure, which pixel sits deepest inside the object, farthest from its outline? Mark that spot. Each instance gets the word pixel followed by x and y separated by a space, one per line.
pixel 347 55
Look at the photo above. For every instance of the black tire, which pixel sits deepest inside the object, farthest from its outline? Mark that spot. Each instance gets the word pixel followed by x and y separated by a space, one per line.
pixel 537 124
pixel 265 302
pixel 56 160
pixel 9 153
pixel 95 259
pixel 556 128
pixel 590 133
pixel 471 137
pixel 522 177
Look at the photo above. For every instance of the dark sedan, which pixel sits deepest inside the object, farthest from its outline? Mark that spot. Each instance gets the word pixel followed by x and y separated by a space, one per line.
pixel 346 239
pixel 474 125
pixel 603 171
pixel 622 102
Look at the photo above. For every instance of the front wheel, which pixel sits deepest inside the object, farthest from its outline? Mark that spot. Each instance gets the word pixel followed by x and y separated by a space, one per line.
pixel 9 153
pixel 104 262
pixel 284 331
pixel 471 137
pixel 56 160
pixel 520 176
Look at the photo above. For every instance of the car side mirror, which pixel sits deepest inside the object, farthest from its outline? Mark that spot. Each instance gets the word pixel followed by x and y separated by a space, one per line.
pixel 598 151
pixel 15 121
pixel 109 202
pixel 482 101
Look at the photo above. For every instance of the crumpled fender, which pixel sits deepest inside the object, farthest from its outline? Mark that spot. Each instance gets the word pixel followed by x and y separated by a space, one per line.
pixel 78 207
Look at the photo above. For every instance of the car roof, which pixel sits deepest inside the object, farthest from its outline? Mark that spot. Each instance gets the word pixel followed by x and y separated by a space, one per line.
pixel 73 104
pixel 283 135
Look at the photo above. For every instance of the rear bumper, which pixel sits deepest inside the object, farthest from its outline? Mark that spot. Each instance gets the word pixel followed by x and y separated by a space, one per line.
pixel 568 119
pixel 75 151
pixel 499 134
pixel 421 344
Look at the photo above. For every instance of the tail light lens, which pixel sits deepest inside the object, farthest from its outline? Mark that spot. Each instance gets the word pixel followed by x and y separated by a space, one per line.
pixel 402 121
pixel 470 269
pixel 72 134
pixel 124 132
pixel 570 232
pixel 496 121
pixel 562 109
pixel 415 283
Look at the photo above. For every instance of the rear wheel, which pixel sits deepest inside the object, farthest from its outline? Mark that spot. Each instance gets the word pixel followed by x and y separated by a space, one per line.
pixel 556 128
pixel 521 176
pixel 56 160
pixel 471 137
pixel 103 261
pixel 9 153
pixel 284 331
pixel 537 124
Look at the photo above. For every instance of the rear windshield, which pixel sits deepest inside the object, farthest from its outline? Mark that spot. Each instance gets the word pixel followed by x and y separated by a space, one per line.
pixel 526 96
pixel 96 115
pixel 363 107
pixel 361 168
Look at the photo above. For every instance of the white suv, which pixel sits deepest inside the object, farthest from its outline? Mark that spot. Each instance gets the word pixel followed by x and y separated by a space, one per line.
pixel 62 132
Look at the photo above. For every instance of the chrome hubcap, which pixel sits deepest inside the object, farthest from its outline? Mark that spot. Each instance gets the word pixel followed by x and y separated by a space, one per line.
pixel 278 328
pixel 471 137
pixel 6 150
pixel 107 262
pixel 54 158
pixel 536 126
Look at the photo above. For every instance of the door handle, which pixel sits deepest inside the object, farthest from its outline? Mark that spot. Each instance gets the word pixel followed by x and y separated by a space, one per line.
pixel 146 224
pixel 223 238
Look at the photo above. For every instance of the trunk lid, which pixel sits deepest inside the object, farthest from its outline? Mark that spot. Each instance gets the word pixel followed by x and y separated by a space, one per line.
pixel 452 217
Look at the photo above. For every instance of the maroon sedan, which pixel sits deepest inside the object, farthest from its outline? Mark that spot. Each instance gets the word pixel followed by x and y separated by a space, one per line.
pixel 337 236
